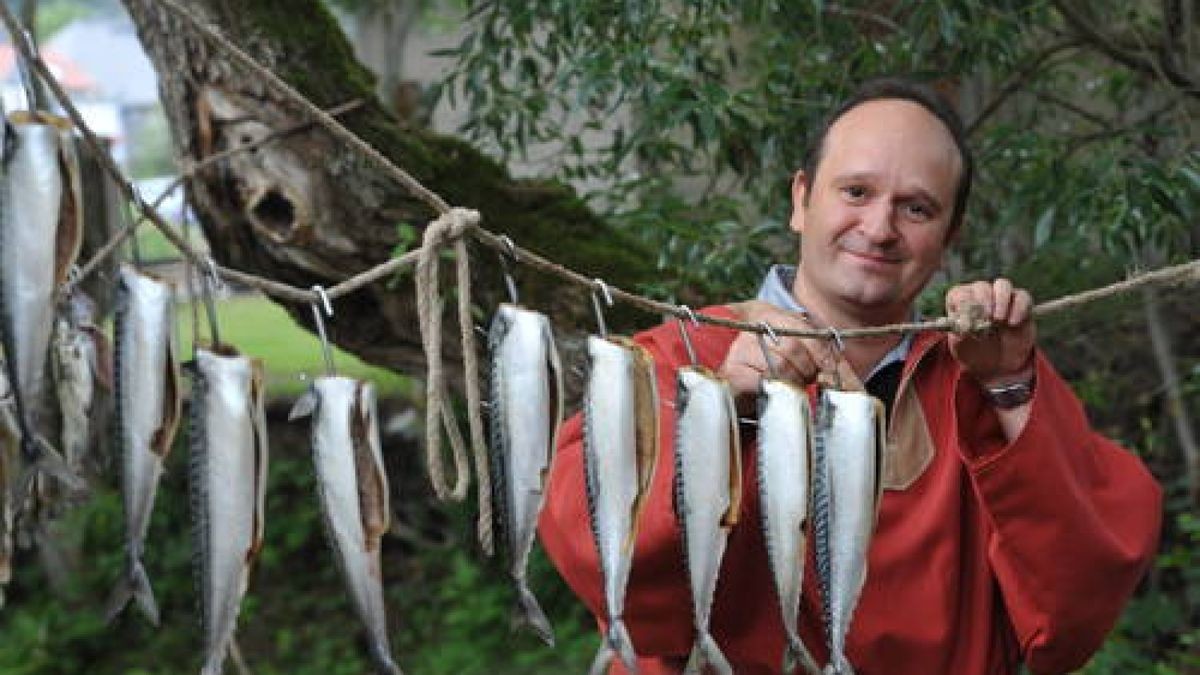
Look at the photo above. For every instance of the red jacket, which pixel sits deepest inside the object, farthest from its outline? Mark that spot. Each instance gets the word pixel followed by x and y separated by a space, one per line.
pixel 993 554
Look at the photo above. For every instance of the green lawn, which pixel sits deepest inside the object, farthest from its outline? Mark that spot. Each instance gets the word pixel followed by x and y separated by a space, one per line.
pixel 261 329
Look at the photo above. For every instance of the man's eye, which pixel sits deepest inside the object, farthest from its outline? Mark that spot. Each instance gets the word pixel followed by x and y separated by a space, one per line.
pixel 918 211
pixel 855 193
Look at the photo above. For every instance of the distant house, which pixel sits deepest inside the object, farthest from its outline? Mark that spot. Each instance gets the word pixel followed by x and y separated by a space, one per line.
pixel 123 97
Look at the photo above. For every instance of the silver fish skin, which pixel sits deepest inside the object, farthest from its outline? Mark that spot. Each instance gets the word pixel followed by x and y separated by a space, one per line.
pixel 784 471
pixel 850 434
pixel 526 395
pixel 147 409
pixel 30 208
pixel 9 462
pixel 353 489
pixel 707 495
pixel 228 438
pixel 75 361
pixel 620 446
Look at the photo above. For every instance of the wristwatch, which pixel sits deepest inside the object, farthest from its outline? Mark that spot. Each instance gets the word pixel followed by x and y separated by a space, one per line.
pixel 1011 395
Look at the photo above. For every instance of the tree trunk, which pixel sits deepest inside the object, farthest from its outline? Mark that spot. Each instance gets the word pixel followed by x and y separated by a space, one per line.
pixel 305 210
pixel 1175 402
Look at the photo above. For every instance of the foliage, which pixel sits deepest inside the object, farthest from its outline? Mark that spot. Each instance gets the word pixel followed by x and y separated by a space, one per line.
pixel 692 116
pixel 684 121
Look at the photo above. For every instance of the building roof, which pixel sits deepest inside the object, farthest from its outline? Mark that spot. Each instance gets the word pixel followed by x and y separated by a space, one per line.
pixel 113 57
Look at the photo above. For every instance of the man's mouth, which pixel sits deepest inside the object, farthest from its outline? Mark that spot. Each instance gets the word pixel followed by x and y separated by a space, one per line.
pixel 873 255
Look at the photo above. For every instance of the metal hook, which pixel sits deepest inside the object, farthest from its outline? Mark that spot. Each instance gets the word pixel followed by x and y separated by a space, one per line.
pixel 322 303
pixel 208 284
pixel 767 331
pixel 837 339
pixel 600 288
pixel 690 315
pixel 508 258
pixel 687 341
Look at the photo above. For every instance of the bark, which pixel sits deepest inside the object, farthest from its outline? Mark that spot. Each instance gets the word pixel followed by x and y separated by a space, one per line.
pixel 307 211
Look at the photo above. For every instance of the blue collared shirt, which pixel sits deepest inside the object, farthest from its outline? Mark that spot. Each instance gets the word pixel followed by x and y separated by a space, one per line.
pixel 777 290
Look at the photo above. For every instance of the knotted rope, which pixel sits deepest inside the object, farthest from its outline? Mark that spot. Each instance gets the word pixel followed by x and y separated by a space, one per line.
pixel 439 411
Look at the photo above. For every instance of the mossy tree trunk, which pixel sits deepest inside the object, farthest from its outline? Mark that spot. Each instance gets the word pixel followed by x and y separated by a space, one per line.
pixel 306 210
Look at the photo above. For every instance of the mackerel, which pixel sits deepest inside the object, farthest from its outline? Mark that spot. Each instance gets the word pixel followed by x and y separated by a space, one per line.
pixel 846 491
pixel 620 451
pixel 9 458
pixel 31 268
pixel 353 489
pixel 708 492
pixel 228 438
pixel 79 361
pixel 526 408
pixel 784 470
pixel 147 403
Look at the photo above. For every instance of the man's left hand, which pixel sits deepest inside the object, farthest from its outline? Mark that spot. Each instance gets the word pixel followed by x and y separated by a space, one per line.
pixel 1004 353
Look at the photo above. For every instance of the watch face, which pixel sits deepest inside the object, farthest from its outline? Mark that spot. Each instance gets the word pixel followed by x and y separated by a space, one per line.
pixel 1010 395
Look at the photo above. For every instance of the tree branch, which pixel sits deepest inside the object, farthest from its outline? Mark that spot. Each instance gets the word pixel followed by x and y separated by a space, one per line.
pixel 1130 57
pixel 1018 79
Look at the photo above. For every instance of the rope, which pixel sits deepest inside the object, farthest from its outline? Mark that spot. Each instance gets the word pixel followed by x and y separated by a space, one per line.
pixel 452 226
pixel 334 127
pixel 466 324
pixel 439 413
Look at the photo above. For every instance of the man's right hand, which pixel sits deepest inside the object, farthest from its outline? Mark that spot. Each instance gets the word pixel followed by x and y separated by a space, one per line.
pixel 745 365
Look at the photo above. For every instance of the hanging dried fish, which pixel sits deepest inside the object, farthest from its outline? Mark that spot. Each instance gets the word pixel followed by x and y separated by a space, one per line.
pixel 620 449
pixel 353 489
pixel 9 462
pixel 708 480
pixel 147 417
pixel 784 470
pixel 846 492
pixel 35 254
pixel 228 438
pixel 80 361
pixel 526 408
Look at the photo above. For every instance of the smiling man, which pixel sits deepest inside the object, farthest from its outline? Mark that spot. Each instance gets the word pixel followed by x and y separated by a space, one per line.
pixel 1009 532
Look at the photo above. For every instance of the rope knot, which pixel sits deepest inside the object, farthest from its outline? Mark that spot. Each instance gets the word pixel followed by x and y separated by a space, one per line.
pixel 970 319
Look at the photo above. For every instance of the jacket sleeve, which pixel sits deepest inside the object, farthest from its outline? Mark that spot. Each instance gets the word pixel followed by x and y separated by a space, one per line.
pixel 1075 519
pixel 657 594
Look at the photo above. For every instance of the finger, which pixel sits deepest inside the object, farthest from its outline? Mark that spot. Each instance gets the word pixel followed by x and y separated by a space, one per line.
pixel 960 298
pixel 1022 308
pixel 1002 296
pixel 794 362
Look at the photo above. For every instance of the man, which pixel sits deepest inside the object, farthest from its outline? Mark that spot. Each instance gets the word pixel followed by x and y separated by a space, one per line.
pixel 1009 532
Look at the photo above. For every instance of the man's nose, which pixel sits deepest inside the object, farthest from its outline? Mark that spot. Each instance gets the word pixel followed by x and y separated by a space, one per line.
pixel 878 222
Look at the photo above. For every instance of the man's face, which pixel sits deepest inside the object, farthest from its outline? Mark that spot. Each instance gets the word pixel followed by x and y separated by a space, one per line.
pixel 876 218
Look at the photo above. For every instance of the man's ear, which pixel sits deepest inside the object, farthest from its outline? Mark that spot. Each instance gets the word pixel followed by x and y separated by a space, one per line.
pixel 799 198
pixel 955 235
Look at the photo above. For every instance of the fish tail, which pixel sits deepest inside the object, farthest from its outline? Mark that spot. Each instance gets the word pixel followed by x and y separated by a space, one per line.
pixel 618 637
pixel 615 643
pixel 707 652
pixel 44 459
pixel 838 665
pixel 529 612
pixel 134 585
pixel 796 655
pixel 604 656
pixel 384 664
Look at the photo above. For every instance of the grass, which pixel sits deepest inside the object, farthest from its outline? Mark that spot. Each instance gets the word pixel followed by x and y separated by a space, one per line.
pixel 153 246
pixel 261 329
